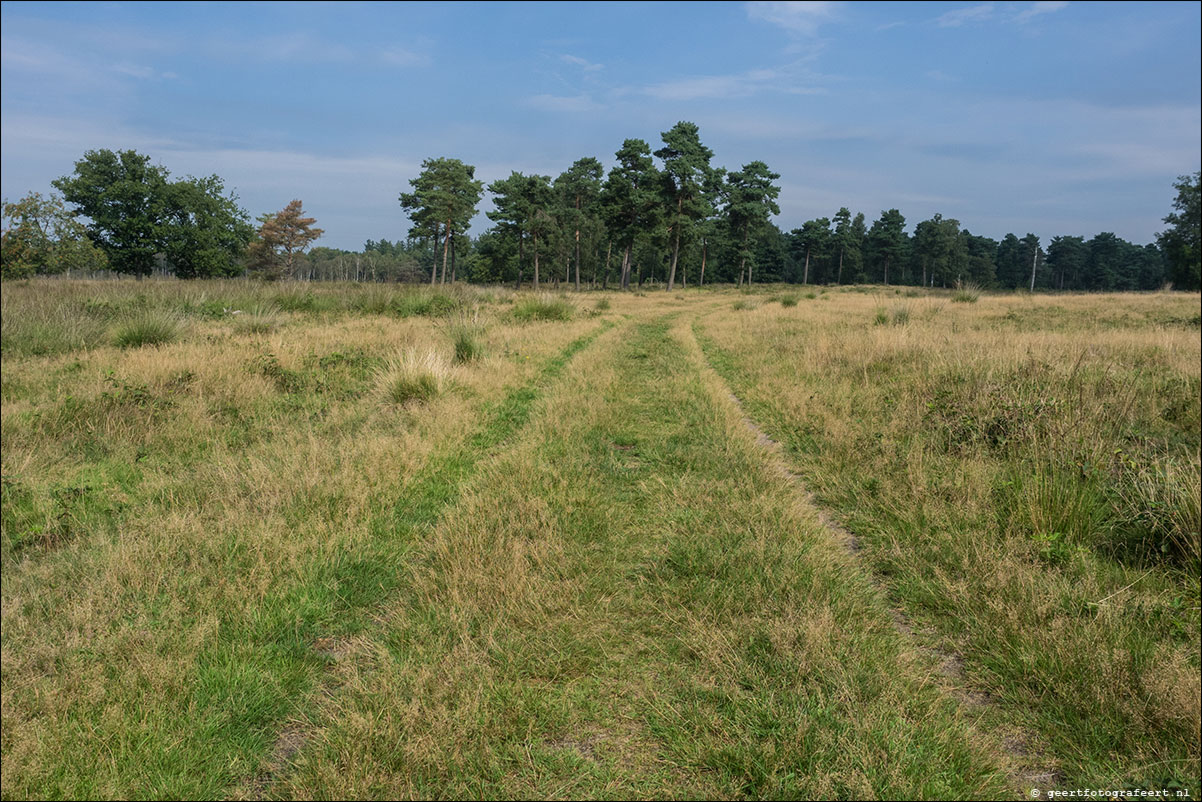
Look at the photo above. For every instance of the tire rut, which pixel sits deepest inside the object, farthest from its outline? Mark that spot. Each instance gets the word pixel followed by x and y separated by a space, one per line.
pixel 1025 775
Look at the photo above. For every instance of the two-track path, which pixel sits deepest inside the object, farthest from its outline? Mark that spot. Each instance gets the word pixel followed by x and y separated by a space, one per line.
pixel 626 597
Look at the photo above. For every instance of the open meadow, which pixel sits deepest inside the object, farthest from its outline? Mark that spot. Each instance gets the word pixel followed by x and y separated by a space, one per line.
pixel 379 541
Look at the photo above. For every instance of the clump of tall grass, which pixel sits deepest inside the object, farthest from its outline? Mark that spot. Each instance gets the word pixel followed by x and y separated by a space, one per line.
pixel 1158 504
pixel 147 328
pixel 542 307
pixel 467 336
pixel 426 303
pixel 966 292
pixel 789 299
pixel 742 304
pixel 259 319
pixel 413 377
pixel 603 305
pixel 898 316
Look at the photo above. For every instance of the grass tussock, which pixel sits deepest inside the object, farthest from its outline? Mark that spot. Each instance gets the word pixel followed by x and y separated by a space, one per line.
pixel 414 376
pixel 147 328
pixel 467 339
pixel 966 293
pixel 529 309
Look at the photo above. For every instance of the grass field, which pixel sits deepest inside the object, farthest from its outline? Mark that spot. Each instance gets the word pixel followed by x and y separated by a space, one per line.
pixel 369 541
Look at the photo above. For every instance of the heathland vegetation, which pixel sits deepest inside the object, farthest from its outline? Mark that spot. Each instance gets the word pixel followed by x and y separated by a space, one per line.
pixel 360 540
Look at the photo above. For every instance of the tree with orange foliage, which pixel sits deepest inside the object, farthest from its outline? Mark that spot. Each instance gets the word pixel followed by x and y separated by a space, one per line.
pixel 282 237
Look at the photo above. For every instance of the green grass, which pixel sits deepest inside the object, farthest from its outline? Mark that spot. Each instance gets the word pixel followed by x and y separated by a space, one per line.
pixel 534 308
pixel 148 328
pixel 1030 500
pixel 572 571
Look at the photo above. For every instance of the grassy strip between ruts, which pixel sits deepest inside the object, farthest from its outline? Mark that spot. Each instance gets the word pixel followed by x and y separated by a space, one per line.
pixel 629 603
pixel 256 668
pixel 1089 653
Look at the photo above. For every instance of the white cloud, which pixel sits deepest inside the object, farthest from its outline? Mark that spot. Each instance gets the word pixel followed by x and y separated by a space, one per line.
pixel 1043 7
pixel 801 18
pixel 961 16
pixel 718 87
pixel 584 64
pixel 570 103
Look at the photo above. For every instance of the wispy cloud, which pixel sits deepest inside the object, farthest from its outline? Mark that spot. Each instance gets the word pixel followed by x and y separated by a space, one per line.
pixel 963 16
pixel 719 87
pixel 801 17
pixel 986 12
pixel 560 103
pixel 400 57
pixel 584 64
pixel 1043 7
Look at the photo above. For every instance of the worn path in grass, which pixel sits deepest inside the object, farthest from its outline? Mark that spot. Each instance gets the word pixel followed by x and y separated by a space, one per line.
pixel 261 666
pixel 629 601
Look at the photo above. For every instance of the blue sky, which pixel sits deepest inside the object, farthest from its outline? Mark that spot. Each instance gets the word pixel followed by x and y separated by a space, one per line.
pixel 1045 117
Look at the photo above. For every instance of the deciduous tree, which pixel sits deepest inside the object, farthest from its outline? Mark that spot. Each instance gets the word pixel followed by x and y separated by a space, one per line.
pixel 1182 240
pixel 42 237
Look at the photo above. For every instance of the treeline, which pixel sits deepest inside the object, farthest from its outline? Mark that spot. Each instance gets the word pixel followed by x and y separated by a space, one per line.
pixel 667 217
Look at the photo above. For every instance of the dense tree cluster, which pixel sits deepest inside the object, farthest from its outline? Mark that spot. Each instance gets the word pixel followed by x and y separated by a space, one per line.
pixel 666 216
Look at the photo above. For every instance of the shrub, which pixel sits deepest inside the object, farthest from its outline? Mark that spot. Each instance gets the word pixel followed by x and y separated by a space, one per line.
pixel 788 299
pixel 148 328
pixel 742 304
pixel 413 377
pixel 603 305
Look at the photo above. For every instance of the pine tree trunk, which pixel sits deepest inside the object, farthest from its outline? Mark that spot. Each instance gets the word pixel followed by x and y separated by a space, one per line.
pixel 1034 262
pixel 452 262
pixel 609 246
pixel 805 276
pixel 839 277
pixel 577 260
pixel 626 268
pixel 446 251
pixel 521 258
pixel 887 259
pixel 705 246
pixel 534 242
pixel 676 246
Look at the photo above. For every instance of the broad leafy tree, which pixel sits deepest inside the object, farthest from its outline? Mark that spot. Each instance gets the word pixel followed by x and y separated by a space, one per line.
pixel 41 237
pixel 124 197
pixel 1182 240
pixel 204 232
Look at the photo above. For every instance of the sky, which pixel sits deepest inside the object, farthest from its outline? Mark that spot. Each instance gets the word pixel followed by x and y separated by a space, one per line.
pixel 1050 118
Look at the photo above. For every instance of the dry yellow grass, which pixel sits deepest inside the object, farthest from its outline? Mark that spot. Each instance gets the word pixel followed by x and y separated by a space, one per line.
pixel 232 568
